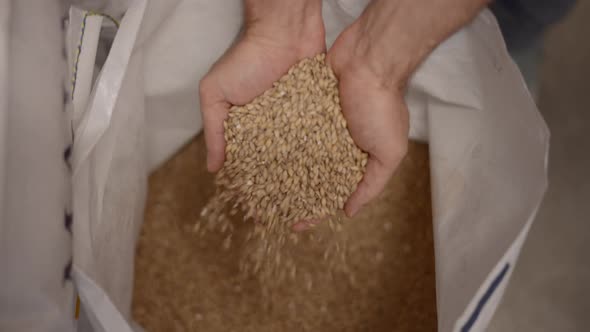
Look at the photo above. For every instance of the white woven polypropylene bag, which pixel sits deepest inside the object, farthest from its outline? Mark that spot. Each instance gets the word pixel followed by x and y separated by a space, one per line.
pixel 488 148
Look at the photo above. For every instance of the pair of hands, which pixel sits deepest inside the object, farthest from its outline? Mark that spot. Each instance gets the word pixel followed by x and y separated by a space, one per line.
pixel 373 58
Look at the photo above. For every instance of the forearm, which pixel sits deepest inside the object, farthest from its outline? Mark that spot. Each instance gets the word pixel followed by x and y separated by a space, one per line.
pixel 294 24
pixel 395 36
pixel 282 14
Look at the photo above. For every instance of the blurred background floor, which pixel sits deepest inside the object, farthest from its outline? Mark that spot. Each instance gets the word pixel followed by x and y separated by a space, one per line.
pixel 550 288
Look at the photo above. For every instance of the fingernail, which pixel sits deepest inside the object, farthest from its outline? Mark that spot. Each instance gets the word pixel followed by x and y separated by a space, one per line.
pixel 300 227
pixel 352 211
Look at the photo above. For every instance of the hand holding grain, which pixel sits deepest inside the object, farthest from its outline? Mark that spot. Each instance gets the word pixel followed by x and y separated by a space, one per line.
pixel 373 60
pixel 277 34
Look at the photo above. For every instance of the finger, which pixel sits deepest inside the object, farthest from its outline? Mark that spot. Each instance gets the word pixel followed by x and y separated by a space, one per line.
pixel 377 174
pixel 301 226
pixel 214 111
pixel 305 225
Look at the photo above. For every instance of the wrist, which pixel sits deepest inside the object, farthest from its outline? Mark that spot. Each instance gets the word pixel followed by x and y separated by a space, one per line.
pixel 392 38
pixel 290 22
pixel 389 60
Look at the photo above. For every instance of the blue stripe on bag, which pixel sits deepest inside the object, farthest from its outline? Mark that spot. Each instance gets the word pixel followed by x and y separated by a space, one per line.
pixel 484 299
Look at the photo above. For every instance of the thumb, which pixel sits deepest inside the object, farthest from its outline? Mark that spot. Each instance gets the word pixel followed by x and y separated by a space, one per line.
pixel 387 143
pixel 377 173
pixel 214 113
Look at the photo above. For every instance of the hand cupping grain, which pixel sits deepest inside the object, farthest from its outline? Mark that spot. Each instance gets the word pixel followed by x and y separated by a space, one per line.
pixel 289 155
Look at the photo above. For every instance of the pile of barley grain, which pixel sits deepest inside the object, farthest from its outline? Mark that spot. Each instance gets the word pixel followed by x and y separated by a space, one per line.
pixel 289 157
pixel 185 282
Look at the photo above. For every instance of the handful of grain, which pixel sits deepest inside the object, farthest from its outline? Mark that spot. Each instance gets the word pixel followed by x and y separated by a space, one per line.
pixel 289 158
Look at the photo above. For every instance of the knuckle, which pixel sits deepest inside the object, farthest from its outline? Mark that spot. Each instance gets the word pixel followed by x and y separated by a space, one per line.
pixel 401 149
pixel 395 155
